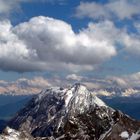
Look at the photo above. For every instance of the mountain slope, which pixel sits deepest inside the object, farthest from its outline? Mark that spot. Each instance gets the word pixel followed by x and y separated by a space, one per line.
pixel 10 134
pixel 73 113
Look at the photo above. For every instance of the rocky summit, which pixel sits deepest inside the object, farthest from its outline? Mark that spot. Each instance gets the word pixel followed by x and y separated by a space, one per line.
pixel 71 114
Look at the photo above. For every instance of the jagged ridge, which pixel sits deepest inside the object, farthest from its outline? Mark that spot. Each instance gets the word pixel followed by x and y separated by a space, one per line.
pixel 71 113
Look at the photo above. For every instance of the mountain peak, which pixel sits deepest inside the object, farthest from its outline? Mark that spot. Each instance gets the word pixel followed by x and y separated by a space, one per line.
pixel 76 99
pixel 70 113
pixel 78 85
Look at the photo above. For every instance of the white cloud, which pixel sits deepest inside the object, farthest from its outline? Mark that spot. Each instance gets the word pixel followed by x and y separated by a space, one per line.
pixel 36 82
pixel 106 30
pixel 91 10
pixel 137 26
pixel 35 85
pixel 39 45
pixel 131 80
pixel 120 8
pixel 7 7
pixel 116 81
pixel 74 77
pixel 132 43
pixel 124 8
pixel 92 85
pixel 46 43
pixel 24 86
pixel 125 81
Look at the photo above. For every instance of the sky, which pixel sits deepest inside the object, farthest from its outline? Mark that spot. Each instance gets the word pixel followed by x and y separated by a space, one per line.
pixel 70 41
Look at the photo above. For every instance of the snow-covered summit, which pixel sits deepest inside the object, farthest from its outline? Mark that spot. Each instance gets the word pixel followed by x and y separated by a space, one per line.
pixel 71 113
pixel 77 98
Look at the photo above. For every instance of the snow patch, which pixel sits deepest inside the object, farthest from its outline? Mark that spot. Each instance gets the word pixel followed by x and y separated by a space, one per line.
pixel 11 134
pixel 99 102
pixel 68 97
pixel 134 136
pixel 124 134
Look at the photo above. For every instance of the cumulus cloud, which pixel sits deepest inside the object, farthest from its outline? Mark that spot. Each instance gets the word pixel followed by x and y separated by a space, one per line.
pixel 106 30
pixel 46 43
pixel 122 9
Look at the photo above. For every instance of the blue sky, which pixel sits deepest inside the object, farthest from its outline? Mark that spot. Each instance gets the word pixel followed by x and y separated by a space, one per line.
pixel 111 47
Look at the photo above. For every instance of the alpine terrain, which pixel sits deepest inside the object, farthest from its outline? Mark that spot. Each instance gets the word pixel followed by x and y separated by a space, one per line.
pixel 70 114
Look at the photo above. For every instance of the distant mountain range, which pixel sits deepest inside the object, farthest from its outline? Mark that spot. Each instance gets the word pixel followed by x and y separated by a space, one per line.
pixel 34 86
pixel 108 92
pixel 70 114
pixel 118 92
pixel 23 86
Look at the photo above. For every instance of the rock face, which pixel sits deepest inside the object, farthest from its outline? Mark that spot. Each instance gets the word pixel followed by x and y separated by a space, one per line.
pixel 71 114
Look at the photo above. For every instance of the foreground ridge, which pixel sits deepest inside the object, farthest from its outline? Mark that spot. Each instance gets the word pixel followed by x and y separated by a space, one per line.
pixel 73 113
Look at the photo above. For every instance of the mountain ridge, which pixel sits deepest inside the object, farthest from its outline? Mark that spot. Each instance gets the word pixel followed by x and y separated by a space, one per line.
pixel 72 113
